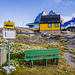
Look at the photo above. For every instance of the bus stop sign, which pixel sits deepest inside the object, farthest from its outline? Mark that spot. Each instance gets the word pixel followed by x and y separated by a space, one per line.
pixel 9 25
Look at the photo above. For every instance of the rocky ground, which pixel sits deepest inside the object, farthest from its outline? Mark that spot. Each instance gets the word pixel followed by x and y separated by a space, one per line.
pixel 65 43
pixel 19 29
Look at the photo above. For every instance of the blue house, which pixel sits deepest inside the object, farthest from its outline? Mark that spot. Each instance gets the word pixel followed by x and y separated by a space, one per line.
pixel 69 25
pixel 35 24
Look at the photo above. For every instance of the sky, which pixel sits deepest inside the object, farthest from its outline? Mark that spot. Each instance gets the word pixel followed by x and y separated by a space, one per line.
pixel 22 12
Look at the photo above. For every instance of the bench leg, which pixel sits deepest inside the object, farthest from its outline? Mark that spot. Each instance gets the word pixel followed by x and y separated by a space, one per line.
pixel 53 59
pixel 45 62
pixel 31 63
pixel 57 61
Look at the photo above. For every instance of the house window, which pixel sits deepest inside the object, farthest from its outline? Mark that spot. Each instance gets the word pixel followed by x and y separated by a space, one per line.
pixel 56 25
pixel 49 25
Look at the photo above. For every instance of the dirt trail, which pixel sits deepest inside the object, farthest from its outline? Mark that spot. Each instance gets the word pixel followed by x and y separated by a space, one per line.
pixel 68 57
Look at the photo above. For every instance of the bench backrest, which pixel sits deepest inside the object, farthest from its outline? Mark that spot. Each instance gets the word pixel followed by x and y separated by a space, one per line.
pixel 29 53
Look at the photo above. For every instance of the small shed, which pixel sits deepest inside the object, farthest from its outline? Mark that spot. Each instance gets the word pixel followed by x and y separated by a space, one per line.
pixel 3 55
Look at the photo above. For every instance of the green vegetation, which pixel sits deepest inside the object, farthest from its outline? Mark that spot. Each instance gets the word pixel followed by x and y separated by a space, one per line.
pixel 72 50
pixel 23 68
pixel 73 56
pixel 0 34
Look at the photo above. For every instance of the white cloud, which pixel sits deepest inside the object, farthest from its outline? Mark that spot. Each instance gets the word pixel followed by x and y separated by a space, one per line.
pixel 73 15
pixel 67 18
pixel 64 2
pixel 68 2
pixel 53 1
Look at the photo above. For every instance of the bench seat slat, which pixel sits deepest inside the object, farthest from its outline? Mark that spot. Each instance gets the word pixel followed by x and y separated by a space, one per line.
pixel 41 52
pixel 29 51
pixel 36 58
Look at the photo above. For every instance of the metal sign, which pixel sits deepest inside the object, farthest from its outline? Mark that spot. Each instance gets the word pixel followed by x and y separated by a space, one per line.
pixel 9 25
pixel 9 34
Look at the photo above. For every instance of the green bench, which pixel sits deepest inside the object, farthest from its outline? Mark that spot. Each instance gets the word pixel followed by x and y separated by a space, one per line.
pixel 31 55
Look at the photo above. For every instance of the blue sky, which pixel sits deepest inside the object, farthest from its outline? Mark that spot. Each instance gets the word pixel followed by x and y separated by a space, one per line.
pixel 22 12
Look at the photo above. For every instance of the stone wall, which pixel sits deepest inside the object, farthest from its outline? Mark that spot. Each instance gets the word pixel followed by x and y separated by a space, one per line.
pixel 58 32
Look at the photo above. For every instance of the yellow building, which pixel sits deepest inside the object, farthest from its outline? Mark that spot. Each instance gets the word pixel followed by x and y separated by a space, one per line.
pixel 50 24
pixel 44 22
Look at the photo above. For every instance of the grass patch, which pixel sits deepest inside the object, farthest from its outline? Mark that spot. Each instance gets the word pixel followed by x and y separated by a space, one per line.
pixel 23 68
pixel 72 51
pixel 62 69
pixel 73 56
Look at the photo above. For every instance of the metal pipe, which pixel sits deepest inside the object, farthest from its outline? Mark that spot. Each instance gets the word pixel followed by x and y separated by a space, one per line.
pixel 8 52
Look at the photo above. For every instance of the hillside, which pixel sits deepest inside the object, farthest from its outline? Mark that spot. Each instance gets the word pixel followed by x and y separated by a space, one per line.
pixel 20 29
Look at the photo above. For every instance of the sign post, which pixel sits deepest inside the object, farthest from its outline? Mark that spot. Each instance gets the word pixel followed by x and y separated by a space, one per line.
pixel 9 34
pixel 8 52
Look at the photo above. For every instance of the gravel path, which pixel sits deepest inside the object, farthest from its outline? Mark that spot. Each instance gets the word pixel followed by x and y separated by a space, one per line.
pixel 68 57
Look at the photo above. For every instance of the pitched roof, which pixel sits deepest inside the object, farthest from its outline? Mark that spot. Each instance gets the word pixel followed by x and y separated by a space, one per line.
pixel 50 19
